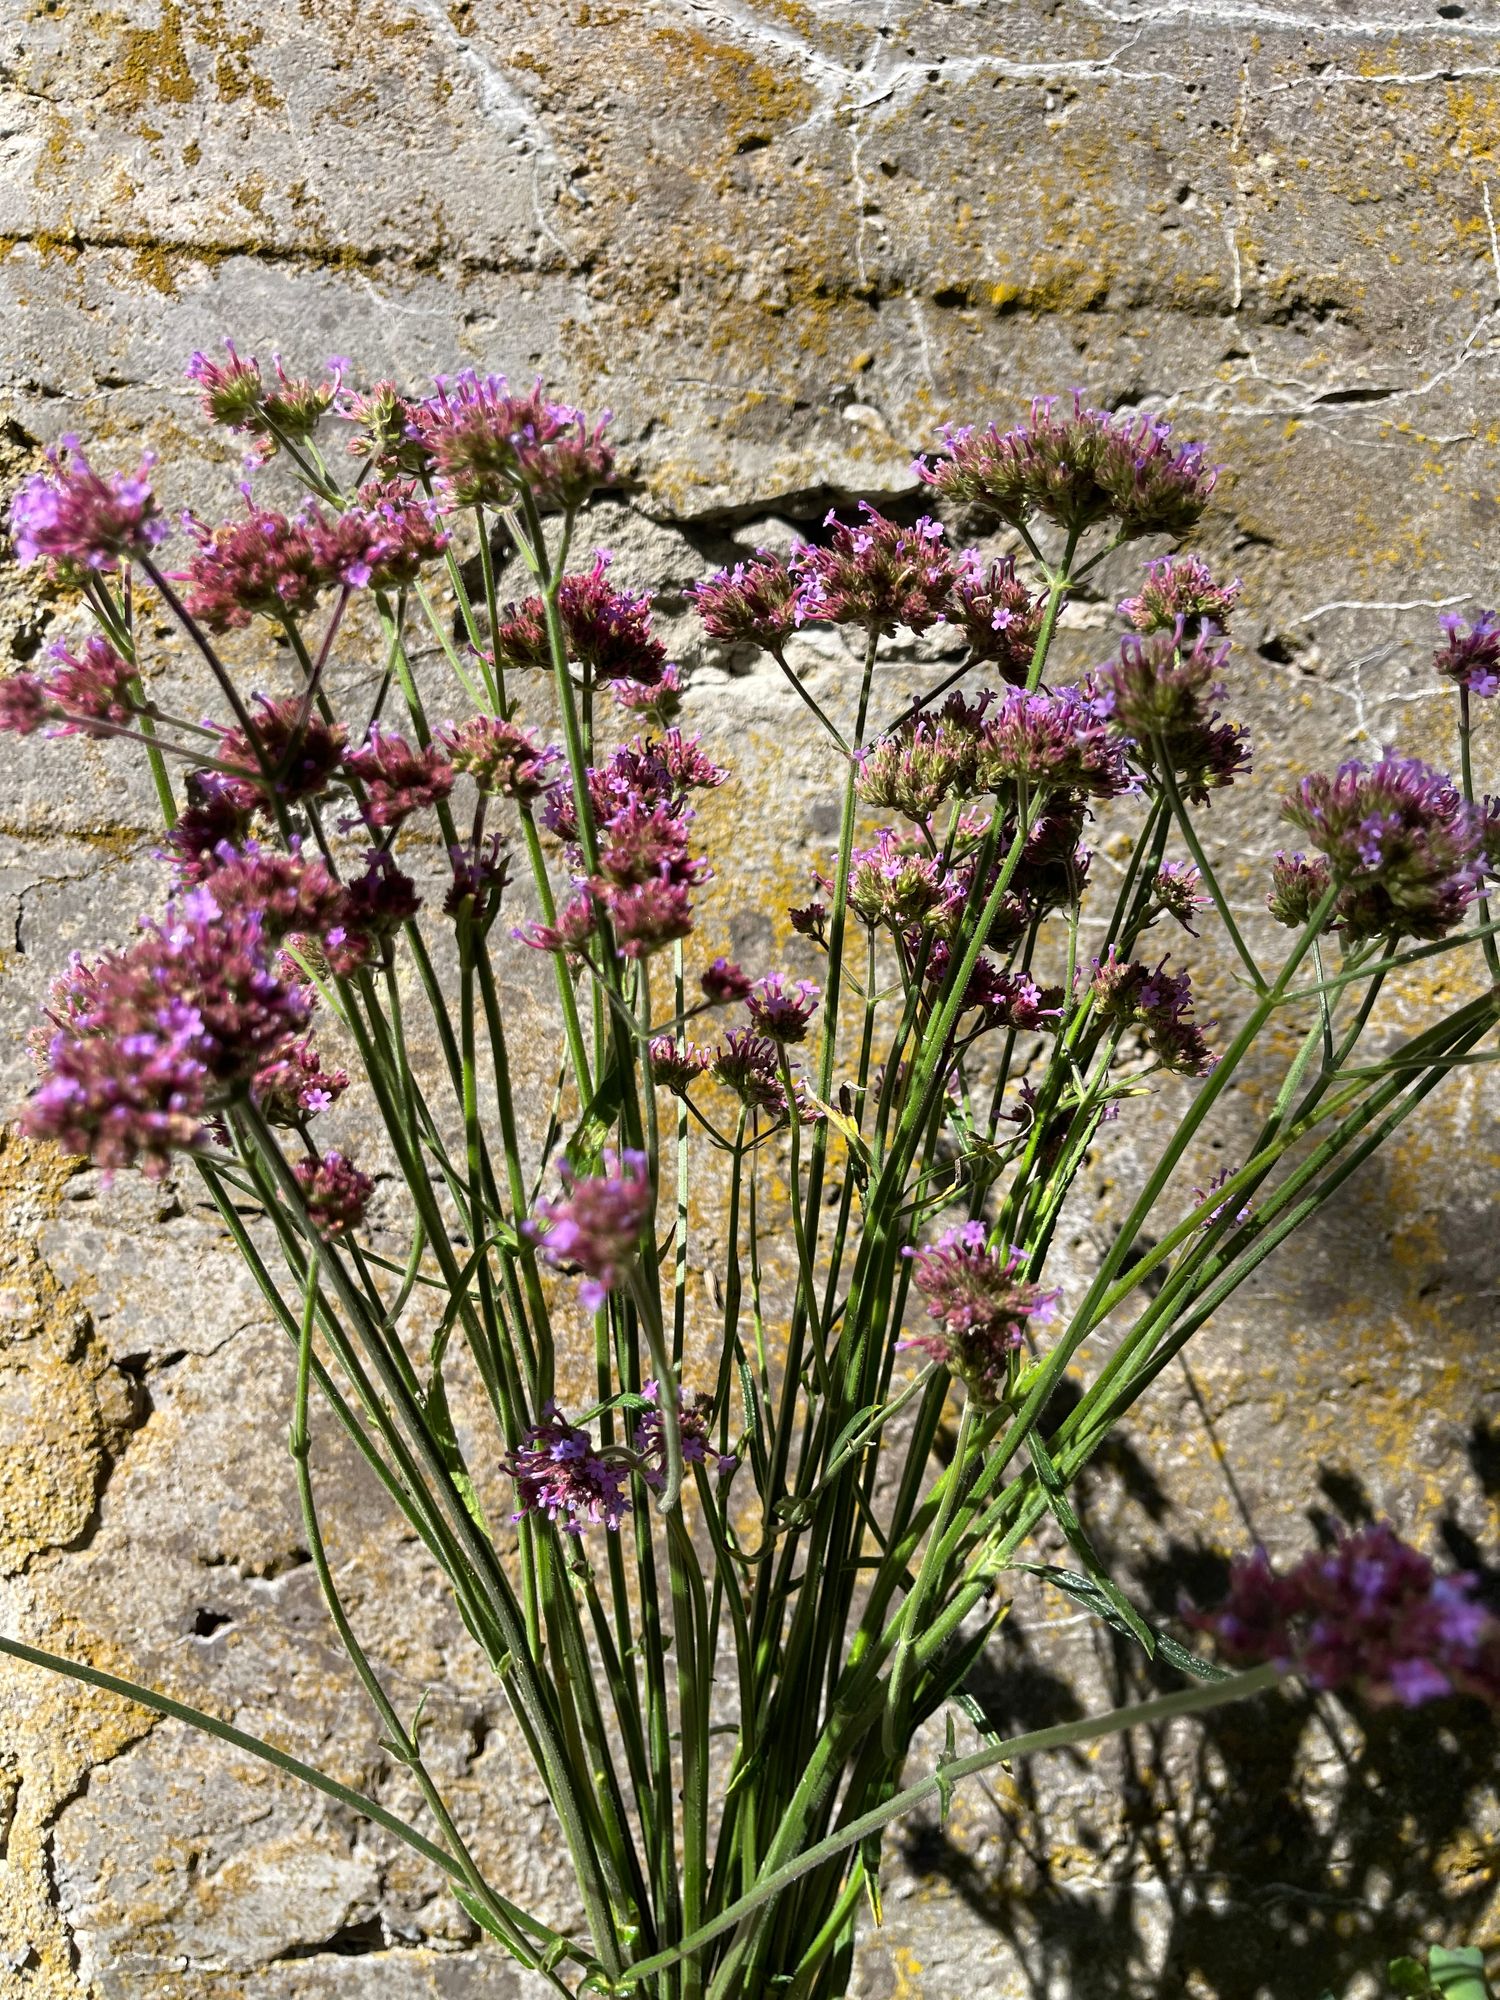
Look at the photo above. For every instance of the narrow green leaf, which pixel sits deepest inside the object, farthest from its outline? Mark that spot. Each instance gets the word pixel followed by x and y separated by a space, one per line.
pixel 626 1400
pixel 440 1424
pixel 585 1148
pixel 1085 1592
pixel 1126 1615
pixel 941 1778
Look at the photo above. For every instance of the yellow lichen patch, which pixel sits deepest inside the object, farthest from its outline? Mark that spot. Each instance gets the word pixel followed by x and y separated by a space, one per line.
pixel 753 100
pixel 150 65
pixel 64 1408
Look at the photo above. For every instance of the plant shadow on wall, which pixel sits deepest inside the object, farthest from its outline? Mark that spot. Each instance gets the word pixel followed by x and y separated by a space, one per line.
pixel 1268 1855
pixel 753 1558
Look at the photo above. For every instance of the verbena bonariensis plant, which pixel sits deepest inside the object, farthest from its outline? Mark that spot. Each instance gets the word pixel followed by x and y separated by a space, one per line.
pixel 721 1614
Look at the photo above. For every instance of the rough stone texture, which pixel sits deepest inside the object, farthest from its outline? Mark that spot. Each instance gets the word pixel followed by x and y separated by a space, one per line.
pixel 785 239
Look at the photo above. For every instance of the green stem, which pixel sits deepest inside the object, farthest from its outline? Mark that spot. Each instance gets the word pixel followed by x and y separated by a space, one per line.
pixel 774 1881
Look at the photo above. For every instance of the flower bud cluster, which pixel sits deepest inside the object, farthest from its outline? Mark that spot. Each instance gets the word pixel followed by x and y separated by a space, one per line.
pixel 1154 694
pixel 1077 467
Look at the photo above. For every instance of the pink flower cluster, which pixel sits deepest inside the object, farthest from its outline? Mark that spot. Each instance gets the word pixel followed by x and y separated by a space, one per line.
pixel 501 757
pixel 235 395
pixel 981 1305
pixel 559 1473
pixel 335 1192
pixel 1159 1003
pixel 1154 693
pixel 76 519
pixel 1180 588
pixel 1057 739
pixel 148 1042
pixel 1369 1616
pixel 693 1414
pixel 90 693
pixel 265 564
pixel 607 631
pixel 596 1226
pixel 1407 850
pixel 482 444
pixel 645 872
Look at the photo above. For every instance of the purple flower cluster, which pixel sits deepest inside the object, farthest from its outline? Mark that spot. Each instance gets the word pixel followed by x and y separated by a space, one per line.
pixel 85 694
pixel 903 887
pixel 482 444
pixel 1180 588
pixel 607 631
pixel 724 982
pixel 335 1192
pixel 236 396
pixel 1157 1002
pixel 384 543
pixel 267 564
pixel 263 564
pixel 1057 739
pixel 596 1226
pixel 1471 657
pixel 559 1473
pixel 1077 467
pixel 302 751
pixel 501 757
pixel 1369 1616
pixel 149 1041
pixel 381 417
pixel 878 575
pixel 875 574
pixel 1154 693
pixel 1406 849
pixel 675 1065
pixel 997 614
pixel 759 602
pixel 397 779
pixel 693 1414
pixel 980 1304
pixel 1010 999
pixel 930 757
pixel 780 1010
pixel 1176 891
pixel 749 1065
pixel 293 1084
pixel 646 873
pixel 76 519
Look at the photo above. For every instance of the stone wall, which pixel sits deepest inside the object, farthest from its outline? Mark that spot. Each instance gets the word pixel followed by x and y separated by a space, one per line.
pixel 785 239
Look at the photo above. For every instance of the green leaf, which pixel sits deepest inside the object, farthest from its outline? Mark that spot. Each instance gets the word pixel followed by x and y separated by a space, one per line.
pixel 626 1400
pixel 585 1148
pixel 1126 1618
pixel 1085 1592
pixel 1458 1974
pixel 1409 1979
pixel 944 1782
pixel 485 1919
pixel 440 1424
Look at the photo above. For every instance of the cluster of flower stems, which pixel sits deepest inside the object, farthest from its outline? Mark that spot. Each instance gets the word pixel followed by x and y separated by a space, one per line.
pixel 728 1612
